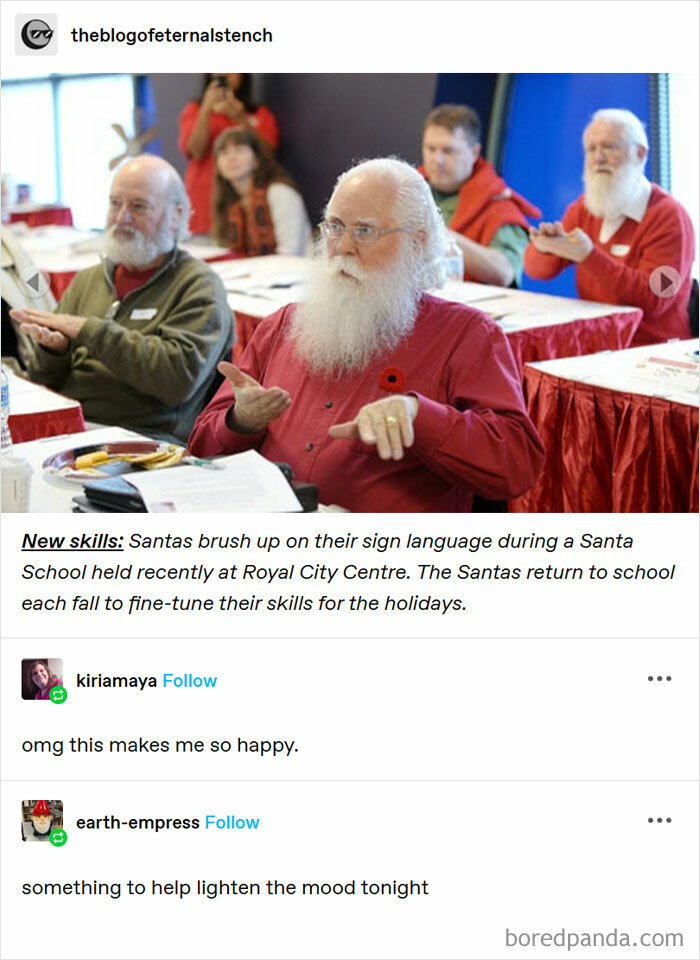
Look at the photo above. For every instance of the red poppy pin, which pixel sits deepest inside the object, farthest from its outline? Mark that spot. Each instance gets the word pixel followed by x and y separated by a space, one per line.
pixel 392 379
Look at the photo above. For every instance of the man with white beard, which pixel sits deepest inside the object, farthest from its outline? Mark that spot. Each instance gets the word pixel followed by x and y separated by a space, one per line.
pixel 387 398
pixel 137 338
pixel 620 232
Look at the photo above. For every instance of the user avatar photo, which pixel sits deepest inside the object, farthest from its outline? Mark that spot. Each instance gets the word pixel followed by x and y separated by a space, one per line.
pixel 40 675
pixel 36 34
pixel 40 818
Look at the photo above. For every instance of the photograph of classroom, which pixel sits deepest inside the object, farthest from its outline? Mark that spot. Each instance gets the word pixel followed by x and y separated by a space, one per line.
pixel 356 292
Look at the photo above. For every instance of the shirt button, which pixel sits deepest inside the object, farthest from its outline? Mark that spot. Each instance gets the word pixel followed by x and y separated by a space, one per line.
pixel 309 446
pixel 329 403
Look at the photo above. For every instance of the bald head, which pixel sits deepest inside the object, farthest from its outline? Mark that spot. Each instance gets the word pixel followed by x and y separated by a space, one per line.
pixel 155 177
pixel 148 212
pixel 391 193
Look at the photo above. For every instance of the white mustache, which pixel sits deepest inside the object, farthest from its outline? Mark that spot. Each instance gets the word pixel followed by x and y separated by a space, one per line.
pixel 337 265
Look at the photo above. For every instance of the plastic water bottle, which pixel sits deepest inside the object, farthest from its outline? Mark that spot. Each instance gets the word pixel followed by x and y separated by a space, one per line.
pixel 454 261
pixel 6 445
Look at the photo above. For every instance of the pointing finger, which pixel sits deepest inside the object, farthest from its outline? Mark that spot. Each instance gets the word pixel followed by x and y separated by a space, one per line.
pixel 343 431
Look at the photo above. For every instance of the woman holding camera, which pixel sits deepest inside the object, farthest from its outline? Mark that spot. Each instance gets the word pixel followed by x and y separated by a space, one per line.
pixel 226 101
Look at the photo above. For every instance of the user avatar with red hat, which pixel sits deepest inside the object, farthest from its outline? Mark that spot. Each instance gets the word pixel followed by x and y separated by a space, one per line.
pixel 41 822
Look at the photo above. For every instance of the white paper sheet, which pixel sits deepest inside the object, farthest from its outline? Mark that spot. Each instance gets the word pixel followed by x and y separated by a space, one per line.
pixel 241 483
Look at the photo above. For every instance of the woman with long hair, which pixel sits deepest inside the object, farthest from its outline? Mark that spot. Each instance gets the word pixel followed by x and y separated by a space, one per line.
pixel 257 209
pixel 43 679
pixel 225 102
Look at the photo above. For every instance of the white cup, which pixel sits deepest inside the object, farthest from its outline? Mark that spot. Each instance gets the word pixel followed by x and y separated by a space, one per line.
pixel 16 477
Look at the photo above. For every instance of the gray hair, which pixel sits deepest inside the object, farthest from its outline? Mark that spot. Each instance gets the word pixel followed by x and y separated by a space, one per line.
pixel 630 123
pixel 415 209
pixel 177 196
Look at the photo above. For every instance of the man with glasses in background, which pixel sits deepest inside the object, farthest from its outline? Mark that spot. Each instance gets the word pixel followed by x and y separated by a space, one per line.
pixel 387 398
pixel 631 242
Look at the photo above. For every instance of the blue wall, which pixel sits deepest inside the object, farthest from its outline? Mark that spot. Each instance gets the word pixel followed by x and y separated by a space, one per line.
pixel 475 89
pixel 542 155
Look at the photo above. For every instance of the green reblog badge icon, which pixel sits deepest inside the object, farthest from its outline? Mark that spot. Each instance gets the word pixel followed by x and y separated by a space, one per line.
pixel 58 838
pixel 58 695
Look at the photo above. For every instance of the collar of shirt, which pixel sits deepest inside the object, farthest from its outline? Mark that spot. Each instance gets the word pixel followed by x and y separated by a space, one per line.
pixel 634 209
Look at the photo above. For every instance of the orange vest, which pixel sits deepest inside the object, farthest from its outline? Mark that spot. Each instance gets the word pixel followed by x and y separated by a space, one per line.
pixel 250 232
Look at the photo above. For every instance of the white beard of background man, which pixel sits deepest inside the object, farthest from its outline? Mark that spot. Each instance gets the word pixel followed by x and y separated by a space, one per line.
pixel 129 246
pixel 610 188
pixel 385 397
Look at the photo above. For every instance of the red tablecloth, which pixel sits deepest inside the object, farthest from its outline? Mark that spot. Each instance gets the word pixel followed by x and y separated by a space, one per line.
pixel 46 423
pixel 609 450
pixel 61 216
pixel 613 331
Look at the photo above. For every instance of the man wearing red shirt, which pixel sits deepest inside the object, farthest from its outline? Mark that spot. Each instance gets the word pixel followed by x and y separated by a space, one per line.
pixel 632 243
pixel 486 219
pixel 385 397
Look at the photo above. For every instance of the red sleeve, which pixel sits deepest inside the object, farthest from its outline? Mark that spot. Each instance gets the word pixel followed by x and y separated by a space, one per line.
pixel 483 437
pixel 210 436
pixel 545 266
pixel 188 118
pixel 668 240
pixel 267 126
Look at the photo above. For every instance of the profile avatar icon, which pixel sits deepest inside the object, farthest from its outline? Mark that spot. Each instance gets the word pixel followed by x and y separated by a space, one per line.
pixel 36 34
pixel 42 819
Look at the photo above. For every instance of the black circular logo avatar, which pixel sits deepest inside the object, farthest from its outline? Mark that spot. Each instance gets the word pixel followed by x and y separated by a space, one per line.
pixel 36 34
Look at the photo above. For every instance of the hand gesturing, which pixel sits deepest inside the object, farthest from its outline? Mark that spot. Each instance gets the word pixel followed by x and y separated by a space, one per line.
pixel 255 406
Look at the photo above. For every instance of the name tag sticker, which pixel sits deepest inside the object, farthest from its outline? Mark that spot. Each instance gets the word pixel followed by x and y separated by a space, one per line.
pixel 143 314
pixel 619 249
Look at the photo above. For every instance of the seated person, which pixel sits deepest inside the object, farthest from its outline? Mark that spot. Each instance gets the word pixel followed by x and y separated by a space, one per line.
pixel 620 231
pixel 387 398
pixel 257 209
pixel 137 338
pixel 485 217
pixel 226 102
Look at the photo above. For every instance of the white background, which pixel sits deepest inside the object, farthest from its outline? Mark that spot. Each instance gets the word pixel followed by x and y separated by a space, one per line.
pixel 510 755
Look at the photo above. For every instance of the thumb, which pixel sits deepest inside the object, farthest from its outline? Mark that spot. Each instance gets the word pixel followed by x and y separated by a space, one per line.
pixel 344 431
pixel 235 376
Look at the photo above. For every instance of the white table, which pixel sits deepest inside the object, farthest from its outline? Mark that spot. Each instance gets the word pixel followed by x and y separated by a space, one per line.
pixel 62 251
pixel 51 495
pixel 538 326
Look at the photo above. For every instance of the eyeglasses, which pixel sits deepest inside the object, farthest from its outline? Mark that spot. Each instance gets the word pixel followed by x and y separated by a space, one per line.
pixel 363 234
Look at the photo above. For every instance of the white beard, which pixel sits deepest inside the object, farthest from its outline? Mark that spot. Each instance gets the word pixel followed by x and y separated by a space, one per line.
pixel 135 251
pixel 607 193
pixel 344 324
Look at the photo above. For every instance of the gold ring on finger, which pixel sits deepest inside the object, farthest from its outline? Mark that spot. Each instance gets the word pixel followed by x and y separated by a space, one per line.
pixel 391 421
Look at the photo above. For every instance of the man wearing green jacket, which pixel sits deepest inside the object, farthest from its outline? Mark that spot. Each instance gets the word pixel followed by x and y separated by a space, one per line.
pixel 137 338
